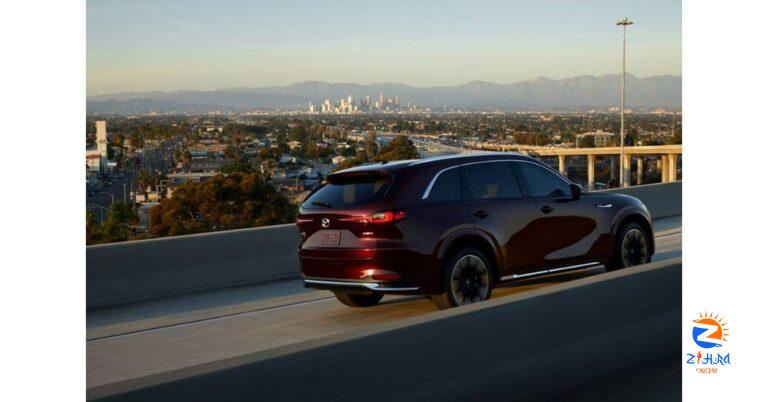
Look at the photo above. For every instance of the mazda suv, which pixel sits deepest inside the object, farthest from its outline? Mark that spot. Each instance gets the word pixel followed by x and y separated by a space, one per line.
pixel 453 227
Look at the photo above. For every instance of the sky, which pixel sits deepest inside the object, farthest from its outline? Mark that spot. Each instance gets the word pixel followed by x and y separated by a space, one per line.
pixel 138 45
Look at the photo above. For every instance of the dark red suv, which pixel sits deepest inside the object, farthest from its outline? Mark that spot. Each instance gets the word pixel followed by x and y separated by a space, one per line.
pixel 453 227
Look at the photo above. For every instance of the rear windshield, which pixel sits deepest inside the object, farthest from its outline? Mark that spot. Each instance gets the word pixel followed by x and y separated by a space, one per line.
pixel 349 191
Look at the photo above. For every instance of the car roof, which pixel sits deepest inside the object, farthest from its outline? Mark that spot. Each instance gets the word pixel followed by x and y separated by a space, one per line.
pixel 378 166
pixel 459 158
pixel 467 157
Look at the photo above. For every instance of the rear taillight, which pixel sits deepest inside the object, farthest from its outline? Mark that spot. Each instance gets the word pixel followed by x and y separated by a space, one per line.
pixel 377 217
pixel 387 216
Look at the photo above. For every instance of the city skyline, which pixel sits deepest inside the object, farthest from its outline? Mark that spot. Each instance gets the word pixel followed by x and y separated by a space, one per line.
pixel 166 46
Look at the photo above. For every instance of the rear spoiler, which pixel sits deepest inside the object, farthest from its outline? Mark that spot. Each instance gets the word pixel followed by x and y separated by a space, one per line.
pixel 361 176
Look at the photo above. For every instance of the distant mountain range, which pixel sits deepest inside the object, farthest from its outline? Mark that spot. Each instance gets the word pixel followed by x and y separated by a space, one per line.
pixel 577 93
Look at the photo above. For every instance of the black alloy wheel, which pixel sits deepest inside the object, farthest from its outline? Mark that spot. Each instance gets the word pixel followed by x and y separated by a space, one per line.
pixel 467 280
pixel 632 248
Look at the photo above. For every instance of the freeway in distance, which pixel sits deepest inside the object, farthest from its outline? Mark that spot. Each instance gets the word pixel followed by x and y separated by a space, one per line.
pixel 138 344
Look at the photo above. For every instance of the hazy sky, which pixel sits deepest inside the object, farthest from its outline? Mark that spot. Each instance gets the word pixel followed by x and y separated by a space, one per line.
pixel 137 45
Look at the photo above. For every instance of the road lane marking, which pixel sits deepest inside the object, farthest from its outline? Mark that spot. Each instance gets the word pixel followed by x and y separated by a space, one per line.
pixel 182 324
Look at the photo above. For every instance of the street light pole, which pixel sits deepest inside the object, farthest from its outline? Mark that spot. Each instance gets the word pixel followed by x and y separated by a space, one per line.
pixel 101 211
pixel 623 23
pixel 109 194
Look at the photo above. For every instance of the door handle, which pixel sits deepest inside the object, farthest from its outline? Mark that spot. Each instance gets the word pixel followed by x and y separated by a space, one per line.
pixel 480 214
pixel 547 209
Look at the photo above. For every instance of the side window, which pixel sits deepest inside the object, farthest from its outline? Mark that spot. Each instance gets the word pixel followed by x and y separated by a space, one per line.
pixel 541 182
pixel 447 187
pixel 490 180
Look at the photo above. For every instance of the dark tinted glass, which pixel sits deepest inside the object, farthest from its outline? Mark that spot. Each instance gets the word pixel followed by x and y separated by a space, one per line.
pixel 348 194
pixel 542 182
pixel 447 187
pixel 489 180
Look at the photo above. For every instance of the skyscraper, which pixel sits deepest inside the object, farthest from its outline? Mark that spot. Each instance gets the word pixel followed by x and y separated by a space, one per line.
pixel 101 138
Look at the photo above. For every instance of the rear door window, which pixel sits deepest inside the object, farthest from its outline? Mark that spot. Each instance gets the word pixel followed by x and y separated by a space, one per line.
pixel 489 180
pixel 447 186
pixel 352 191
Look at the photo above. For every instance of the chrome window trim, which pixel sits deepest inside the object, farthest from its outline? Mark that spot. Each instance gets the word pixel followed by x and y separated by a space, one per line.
pixel 434 179
pixel 460 156
pixel 542 165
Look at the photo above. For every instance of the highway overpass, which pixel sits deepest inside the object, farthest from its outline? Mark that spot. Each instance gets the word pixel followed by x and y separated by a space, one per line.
pixel 668 157
pixel 427 145
pixel 166 322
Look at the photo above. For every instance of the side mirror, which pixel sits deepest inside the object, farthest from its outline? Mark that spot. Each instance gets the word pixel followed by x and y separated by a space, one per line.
pixel 575 191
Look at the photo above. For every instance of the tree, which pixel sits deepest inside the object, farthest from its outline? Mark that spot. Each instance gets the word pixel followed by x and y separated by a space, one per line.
pixel 93 233
pixel 371 146
pixel 119 140
pixel 136 139
pixel 143 180
pixel 116 227
pixel 238 200
pixel 398 149
pixel 533 138
pixel 587 141
pixel 298 133
pixel 631 136
pixel 238 165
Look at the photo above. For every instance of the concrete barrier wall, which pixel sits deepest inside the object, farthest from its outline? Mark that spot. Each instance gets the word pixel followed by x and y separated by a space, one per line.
pixel 662 199
pixel 148 269
pixel 556 342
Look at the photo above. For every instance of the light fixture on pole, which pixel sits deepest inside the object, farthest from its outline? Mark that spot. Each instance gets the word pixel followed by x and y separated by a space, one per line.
pixel 623 181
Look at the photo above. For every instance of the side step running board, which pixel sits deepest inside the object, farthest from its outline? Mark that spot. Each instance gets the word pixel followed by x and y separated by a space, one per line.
pixel 548 271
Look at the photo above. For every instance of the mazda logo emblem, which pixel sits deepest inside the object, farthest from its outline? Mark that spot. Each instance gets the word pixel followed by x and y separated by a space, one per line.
pixel 325 222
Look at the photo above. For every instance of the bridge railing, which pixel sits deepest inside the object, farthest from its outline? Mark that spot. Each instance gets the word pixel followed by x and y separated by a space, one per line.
pixel 139 270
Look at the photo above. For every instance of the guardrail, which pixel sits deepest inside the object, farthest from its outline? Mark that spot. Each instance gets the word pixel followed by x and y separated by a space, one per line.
pixel 133 271
pixel 542 344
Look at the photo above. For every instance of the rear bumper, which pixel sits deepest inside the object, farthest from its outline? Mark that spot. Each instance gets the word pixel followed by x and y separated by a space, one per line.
pixel 350 270
pixel 374 287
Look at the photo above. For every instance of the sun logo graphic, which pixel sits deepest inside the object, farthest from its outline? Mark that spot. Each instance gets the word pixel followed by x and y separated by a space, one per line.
pixel 709 330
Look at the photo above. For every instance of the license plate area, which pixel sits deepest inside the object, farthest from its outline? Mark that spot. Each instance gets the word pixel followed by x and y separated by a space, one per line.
pixel 331 238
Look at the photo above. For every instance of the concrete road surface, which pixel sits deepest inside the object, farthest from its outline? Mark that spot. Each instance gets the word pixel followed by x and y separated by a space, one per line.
pixel 137 341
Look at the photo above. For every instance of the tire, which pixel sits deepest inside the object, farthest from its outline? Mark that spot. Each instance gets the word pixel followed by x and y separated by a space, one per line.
pixel 632 248
pixel 467 278
pixel 358 300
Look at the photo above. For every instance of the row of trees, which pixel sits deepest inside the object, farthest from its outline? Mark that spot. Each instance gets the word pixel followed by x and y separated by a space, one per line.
pixel 237 200
pixel 115 227
pixel 399 148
